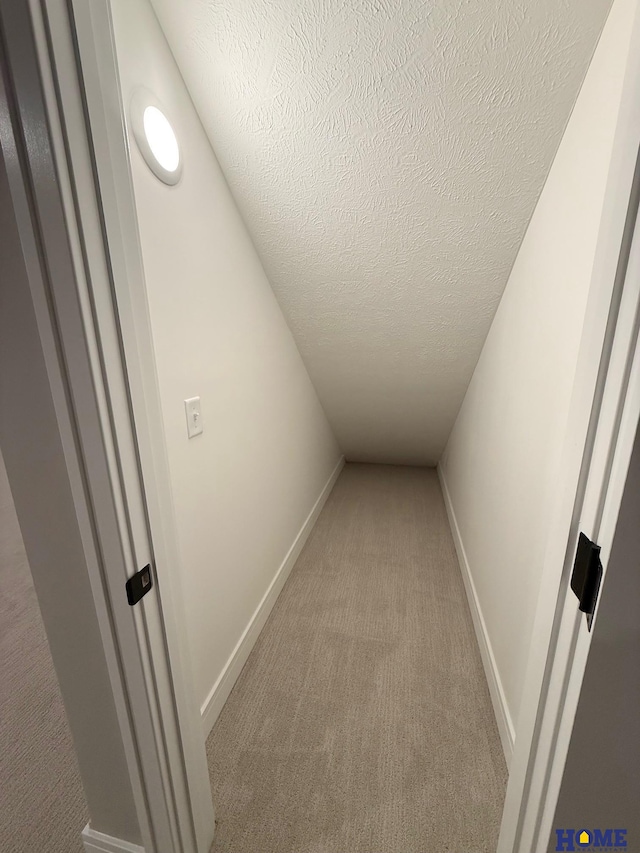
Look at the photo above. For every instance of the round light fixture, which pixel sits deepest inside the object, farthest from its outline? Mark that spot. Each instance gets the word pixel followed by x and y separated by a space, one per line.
pixel 155 137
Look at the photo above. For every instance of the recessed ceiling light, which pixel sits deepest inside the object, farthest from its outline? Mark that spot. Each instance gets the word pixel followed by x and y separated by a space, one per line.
pixel 155 137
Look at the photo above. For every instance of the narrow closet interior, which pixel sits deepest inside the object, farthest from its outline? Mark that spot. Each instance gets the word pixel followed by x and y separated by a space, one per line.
pixel 368 232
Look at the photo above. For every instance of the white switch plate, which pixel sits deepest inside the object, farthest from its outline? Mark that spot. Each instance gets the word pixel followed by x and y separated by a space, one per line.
pixel 194 416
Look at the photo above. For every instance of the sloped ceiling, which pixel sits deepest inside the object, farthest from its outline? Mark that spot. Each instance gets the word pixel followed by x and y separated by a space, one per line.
pixel 386 156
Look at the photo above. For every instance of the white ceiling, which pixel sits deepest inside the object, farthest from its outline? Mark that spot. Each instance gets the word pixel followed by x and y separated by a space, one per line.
pixel 386 157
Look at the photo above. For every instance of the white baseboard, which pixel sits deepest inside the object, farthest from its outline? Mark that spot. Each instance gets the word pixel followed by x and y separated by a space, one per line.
pixel 98 842
pixel 220 691
pixel 498 699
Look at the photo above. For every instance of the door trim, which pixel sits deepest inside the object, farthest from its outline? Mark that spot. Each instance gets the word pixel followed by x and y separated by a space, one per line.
pixel 79 325
pixel 91 108
pixel 528 794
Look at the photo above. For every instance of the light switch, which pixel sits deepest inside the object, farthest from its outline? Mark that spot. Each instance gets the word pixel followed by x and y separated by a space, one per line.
pixel 194 416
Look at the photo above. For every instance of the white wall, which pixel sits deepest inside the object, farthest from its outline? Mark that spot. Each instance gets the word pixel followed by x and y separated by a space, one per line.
pixel 243 489
pixel 502 458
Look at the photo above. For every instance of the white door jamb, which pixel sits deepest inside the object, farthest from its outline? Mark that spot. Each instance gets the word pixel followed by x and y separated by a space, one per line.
pixel 78 324
pixel 600 386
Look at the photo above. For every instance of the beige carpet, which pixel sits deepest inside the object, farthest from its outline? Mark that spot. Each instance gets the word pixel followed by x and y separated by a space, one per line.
pixel 362 721
pixel 42 806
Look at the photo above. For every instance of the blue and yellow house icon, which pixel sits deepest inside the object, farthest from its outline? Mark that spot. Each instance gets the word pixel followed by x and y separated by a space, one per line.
pixel 591 839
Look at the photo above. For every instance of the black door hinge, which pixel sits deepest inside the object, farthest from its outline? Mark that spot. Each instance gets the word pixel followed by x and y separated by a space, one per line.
pixel 139 585
pixel 586 576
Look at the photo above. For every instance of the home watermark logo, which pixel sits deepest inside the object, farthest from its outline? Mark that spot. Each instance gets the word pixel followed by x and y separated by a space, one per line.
pixel 590 839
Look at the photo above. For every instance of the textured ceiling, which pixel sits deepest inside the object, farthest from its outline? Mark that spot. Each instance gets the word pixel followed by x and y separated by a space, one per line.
pixel 387 157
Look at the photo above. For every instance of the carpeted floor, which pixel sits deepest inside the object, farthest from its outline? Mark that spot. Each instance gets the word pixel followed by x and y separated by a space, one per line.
pixel 41 800
pixel 362 722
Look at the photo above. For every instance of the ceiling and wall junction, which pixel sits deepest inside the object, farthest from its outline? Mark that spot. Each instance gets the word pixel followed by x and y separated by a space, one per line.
pixel 386 157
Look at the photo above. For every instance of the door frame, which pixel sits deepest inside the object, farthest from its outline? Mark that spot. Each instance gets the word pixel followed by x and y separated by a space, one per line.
pixel 613 448
pixel 594 463
pixel 82 55
pixel 90 155
pixel 595 513
pixel 92 108
pixel 71 273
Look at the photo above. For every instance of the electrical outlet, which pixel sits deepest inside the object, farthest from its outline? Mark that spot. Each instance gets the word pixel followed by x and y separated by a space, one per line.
pixel 194 416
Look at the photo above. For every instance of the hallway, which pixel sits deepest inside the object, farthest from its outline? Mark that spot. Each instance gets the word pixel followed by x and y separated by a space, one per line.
pixel 362 722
